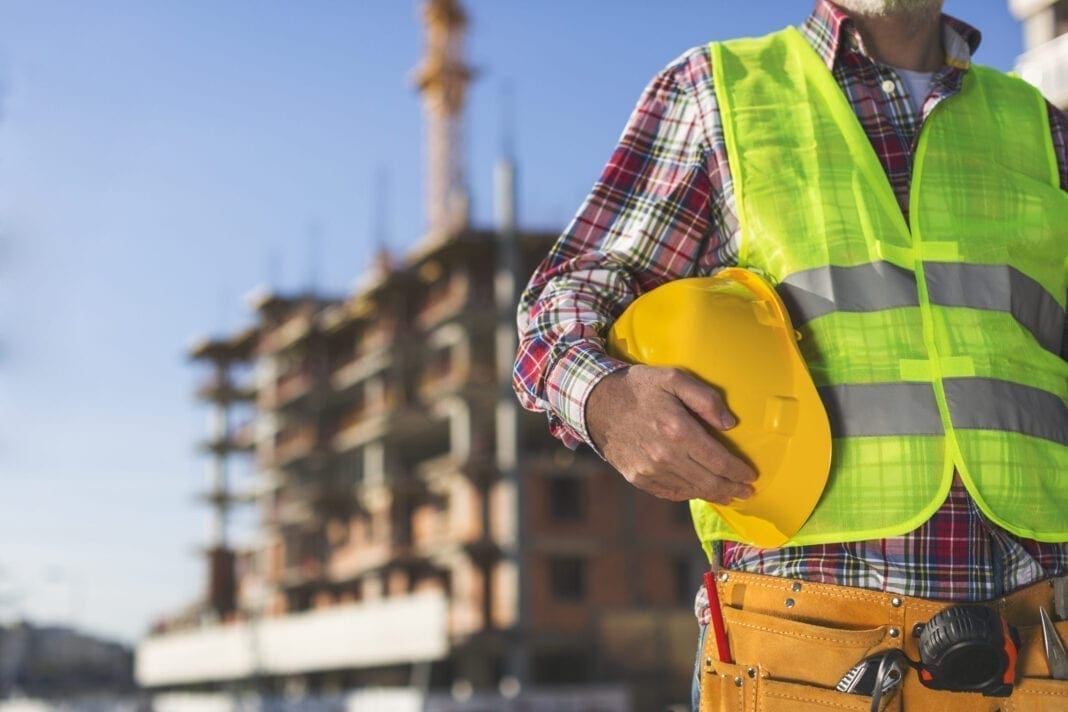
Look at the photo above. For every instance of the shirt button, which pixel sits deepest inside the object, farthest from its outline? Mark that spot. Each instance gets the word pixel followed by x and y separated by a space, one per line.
pixel 888 86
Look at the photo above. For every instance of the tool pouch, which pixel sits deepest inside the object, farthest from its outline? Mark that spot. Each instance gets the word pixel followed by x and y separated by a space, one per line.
pixel 786 665
pixel 1035 690
pixel 792 644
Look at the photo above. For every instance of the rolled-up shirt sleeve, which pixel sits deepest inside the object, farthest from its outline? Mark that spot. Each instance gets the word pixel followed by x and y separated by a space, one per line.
pixel 645 222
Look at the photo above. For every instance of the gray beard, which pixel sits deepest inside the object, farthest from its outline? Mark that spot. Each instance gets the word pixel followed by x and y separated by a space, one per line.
pixel 880 8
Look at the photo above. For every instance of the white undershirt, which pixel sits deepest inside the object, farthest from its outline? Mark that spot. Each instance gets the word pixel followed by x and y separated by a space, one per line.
pixel 918 84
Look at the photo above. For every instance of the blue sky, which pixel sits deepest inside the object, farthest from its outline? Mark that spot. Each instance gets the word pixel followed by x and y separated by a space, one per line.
pixel 159 160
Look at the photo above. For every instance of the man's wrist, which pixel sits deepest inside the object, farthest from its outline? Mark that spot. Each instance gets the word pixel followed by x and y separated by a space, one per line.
pixel 571 380
pixel 595 404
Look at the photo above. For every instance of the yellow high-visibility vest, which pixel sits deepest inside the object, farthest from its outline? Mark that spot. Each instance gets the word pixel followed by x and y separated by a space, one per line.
pixel 934 345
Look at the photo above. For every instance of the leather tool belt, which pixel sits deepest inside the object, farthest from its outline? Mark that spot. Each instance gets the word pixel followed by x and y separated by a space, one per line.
pixel 792 641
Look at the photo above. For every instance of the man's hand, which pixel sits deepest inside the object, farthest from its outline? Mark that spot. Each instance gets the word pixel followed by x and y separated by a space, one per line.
pixel 650 424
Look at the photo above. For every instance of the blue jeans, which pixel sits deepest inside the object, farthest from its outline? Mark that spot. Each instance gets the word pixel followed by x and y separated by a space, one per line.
pixel 695 692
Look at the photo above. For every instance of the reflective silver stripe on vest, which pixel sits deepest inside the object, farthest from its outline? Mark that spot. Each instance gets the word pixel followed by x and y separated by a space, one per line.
pixel 869 287
pixel 983 403
pixel 866 409
pixel 998 288
pixel 870 409
pixel 816 292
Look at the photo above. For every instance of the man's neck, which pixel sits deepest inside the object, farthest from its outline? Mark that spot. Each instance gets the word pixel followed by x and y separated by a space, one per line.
pixel 908 41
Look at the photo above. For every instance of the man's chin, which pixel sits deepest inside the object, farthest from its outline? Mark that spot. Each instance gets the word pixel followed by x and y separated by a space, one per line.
pixel 879 8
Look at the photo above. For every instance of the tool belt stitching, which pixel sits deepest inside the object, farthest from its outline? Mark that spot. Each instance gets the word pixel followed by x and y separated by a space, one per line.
pixel 823 703
pixel 766 629
pixel 862 595
pixel 1045 693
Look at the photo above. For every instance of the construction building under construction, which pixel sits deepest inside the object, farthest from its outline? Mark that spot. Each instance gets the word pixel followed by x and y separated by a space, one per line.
pixel 416 528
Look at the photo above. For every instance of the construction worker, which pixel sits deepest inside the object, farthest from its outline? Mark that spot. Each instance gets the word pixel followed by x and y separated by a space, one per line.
pixel 910 208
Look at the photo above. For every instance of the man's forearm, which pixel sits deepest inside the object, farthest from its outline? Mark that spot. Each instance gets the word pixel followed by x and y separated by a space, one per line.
pixel 561 353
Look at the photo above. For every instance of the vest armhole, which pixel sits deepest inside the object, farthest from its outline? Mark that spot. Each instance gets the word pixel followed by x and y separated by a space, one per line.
pixel 1051 153
pixel 1041 105
pixel 730 138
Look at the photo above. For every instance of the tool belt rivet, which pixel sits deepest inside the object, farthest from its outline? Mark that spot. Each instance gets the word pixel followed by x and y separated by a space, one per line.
pixel 724 577
pixel 917 629
pixel 789 603
pixel 796 586
pixel 708 662
pixel 894 632
pixel 895 602
pixel 751 672
pixel 738 681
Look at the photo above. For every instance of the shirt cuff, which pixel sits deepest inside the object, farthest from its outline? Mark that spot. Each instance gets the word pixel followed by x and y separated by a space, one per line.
pixel 568 387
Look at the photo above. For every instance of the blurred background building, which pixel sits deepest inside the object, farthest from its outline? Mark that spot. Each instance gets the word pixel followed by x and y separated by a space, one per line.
pixel 416 529
pixel 60 663
pixel 1044 62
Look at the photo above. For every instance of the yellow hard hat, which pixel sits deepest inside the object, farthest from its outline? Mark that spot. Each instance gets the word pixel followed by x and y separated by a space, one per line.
pixel 732 331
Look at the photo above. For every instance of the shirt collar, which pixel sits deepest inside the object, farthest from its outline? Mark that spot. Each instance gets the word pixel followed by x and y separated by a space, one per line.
pixel 830 31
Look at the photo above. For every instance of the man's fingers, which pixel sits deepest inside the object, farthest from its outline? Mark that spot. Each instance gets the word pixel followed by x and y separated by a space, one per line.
pixel 707 459
pixel 665 485
pixel 717 476
pixel 719 489
pixel 717 459
pixel 700 398
pixel 689 479
pixel 653 425
pixel 706 483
